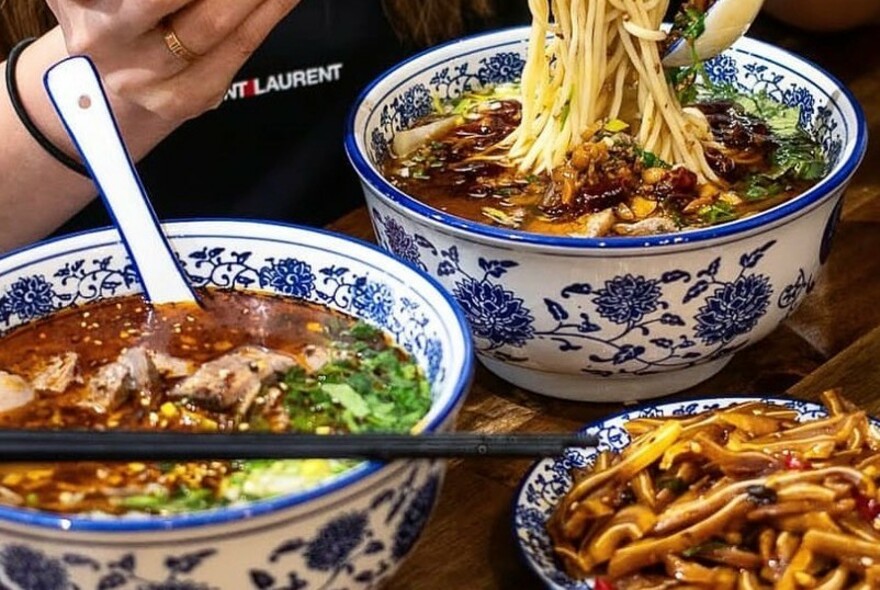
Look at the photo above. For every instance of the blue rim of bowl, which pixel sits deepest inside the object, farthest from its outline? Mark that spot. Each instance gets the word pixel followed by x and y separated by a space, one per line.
pixel 72 522
pixel 524 558
pixel 825 188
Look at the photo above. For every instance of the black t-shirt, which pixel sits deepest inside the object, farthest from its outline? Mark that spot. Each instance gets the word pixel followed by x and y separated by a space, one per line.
pixel 273 149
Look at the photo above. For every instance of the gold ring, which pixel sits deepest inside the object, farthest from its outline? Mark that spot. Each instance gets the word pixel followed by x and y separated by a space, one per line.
pixel 177 48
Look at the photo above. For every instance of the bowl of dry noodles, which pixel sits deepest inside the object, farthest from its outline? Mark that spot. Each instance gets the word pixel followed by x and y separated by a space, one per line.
pixel 613 229
pixel 717 493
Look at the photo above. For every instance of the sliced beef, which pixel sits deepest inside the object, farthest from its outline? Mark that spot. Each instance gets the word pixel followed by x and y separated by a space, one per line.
pixel 114 383
pixel 647 227
pixel 234 379
pixel 316 357
pixel 15 391
pixel 60 371
pixel 172 367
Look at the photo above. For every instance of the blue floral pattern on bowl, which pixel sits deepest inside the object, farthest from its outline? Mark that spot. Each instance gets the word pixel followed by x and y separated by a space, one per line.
pixel 616 319
pixel 753 76
pixel 33 296
pixel 736 68
pixel 548 480
pixel 347 549
pixel 352 531
pixel 580 318
pixel 448 82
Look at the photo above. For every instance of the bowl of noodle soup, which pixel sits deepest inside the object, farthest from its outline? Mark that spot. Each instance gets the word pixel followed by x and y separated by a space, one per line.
pixel 238 524
pixel 616 314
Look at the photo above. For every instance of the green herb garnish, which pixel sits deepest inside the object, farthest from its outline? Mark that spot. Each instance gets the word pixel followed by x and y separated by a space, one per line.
pixel 797 155
pixel 650 159
pixel 684 82
pixel 364 387
pixel 717 212
pixel 759 186
pixel 183 499
pixel 692 23
pixel 689 24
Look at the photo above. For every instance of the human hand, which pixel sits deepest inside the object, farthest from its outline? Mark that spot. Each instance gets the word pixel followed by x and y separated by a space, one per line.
pixel 131 45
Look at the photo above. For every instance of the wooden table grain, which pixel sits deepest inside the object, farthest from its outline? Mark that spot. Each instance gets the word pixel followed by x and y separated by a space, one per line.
pixel 832 340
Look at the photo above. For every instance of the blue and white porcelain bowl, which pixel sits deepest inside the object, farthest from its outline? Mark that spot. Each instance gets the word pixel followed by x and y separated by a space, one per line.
pixel 550 479
pixel 351 531
pixel 610 319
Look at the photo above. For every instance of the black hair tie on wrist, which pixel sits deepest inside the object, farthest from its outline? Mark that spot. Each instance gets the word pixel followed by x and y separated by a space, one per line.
pixel 15 98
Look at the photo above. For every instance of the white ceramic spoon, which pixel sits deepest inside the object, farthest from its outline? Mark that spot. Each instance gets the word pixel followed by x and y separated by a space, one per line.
pixel 75 89
pixel 726 21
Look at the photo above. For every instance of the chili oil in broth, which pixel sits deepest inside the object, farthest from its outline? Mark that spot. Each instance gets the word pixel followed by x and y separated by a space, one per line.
pixel 98 333
pixel 608 186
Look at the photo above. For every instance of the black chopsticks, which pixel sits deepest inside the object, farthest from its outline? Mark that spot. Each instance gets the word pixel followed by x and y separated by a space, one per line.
pixel 115 445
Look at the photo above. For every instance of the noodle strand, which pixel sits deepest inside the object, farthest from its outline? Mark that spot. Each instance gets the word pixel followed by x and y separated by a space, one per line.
pixel 601 53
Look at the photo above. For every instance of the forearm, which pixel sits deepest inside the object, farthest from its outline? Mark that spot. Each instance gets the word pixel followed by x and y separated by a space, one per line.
pixel 37 193
pixel 151 88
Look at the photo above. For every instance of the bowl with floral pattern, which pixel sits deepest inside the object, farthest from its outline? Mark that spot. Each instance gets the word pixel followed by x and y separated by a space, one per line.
pixel 351 530
pixel 549 480
pixel 611 319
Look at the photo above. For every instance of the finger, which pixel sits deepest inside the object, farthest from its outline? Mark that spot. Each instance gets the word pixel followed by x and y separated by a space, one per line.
pixel 203 25
pixel 155 62
pixel 91 24
pixel 231 54
pixel 154 11
pixel 199 27
pixel 179 98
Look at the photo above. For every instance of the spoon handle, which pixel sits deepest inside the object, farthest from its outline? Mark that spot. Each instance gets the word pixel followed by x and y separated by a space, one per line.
pixel 76 92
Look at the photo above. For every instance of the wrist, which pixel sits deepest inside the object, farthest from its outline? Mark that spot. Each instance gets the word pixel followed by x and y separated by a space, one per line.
pixel 140 128
pixel 33 108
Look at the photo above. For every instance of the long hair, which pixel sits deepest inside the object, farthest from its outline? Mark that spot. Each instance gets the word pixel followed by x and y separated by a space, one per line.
pixel 422 23
pixel 20 19
pixel 418 23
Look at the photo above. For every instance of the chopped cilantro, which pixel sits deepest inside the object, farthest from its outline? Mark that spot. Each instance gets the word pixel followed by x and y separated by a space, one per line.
pixel 689 24
pixel 692 22
pixel 683 81
pixel 650 159
pixel 797 155
pixel 718 212
pixel 364 387
pixel 759 186
pixel 364 331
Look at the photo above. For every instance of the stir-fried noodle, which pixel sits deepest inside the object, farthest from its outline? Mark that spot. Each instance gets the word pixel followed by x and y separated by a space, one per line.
pixel 742 498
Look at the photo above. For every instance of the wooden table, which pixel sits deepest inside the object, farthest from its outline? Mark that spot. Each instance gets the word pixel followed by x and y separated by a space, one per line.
pixel 832 340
